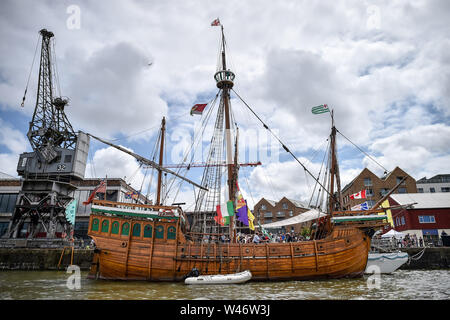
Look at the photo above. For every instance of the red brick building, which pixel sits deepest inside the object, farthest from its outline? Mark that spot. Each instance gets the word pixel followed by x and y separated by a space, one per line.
pixel 427 216
pixel 267 211
pixel 376 187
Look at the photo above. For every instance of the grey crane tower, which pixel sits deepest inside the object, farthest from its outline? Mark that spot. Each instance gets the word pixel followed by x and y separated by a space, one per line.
pixel 59 156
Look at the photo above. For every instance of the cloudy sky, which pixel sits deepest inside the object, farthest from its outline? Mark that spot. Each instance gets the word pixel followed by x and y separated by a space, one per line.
pixel 382 66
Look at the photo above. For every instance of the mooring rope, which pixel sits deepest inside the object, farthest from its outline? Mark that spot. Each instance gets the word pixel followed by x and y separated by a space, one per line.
pixel 417 256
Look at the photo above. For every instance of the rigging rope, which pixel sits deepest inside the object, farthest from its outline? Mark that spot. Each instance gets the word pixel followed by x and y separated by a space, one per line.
pixel 31 70
pixel 385 170
pixel 318 177
pixel 282 144
pixel 197 139
pixel 55 68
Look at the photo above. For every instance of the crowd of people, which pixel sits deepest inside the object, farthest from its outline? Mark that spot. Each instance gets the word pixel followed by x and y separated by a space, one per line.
pixel 408 241
pixel 280 237
pixel 259 237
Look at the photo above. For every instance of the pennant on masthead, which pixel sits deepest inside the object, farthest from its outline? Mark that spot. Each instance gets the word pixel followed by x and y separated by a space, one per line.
pixel 216 22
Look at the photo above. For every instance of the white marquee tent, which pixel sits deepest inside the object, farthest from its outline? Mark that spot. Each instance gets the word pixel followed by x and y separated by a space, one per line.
pixel 393 233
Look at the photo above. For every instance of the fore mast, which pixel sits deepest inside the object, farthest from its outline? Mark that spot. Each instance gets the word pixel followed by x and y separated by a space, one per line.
pixel 224 79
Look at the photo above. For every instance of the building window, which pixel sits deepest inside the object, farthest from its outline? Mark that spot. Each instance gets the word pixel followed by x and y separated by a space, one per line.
pixel 95 224
pixel 137 230
pixel 285 205
pixel 400 179
pixel 432 189
pixel 112 195
pixel 367 182
pixel 7 202
pixel 369 193
pixel 427 219
pixel 171 233
pixel 115 227
pixel 384 191
pixel 67 158
pixel 403 220
pixel 401 190
pixel 420 190
pixel 280 214
pixel 267 220
pixel 268 214
pixel 3 228
pixel 148 231
pixel 159 234
pixel 263 207
pixel 370 203
pixel 105 226
pixel 445 189
pixel 125 229
pixel 291 213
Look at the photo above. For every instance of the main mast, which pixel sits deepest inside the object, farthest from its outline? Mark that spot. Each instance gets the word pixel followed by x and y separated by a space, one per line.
pixel 224 80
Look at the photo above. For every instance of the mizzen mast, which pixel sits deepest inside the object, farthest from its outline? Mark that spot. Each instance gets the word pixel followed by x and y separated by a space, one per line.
pixel 161 154
pixel 335 198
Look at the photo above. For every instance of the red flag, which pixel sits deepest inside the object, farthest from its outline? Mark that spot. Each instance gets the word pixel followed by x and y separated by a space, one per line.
pixel 219 218
pixel 216 22
pixel 359 195
pixel 198 108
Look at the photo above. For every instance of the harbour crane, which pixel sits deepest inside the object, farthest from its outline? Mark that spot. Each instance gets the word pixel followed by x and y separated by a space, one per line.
pixel 59 156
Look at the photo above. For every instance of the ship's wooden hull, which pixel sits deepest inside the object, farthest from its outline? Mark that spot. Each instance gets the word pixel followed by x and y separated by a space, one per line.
pixel 165 255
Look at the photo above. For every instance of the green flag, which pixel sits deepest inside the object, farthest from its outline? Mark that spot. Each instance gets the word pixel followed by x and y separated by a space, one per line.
pixel 264 231
pixel 320 109
pixel 71 211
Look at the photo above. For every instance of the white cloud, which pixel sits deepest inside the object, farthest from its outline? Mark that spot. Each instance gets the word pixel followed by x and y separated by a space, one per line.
pixel 420 151
pixel 8 163
pixel 13 139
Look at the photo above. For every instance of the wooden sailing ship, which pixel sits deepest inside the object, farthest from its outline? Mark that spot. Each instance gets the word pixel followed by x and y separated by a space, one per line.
pixel 157 242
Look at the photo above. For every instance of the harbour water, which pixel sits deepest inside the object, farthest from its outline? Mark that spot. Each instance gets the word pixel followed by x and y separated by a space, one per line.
pixel 56 285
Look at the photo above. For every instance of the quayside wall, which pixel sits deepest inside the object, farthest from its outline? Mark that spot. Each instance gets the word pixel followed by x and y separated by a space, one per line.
pixel 43 259
pixel 430 258
pixel 48 259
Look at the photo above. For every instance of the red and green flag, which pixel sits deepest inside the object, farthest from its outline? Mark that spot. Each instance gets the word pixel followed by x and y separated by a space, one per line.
pixel 224 212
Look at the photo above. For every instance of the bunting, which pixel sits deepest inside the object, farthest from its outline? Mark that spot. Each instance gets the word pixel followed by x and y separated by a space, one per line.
pixel 132 195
